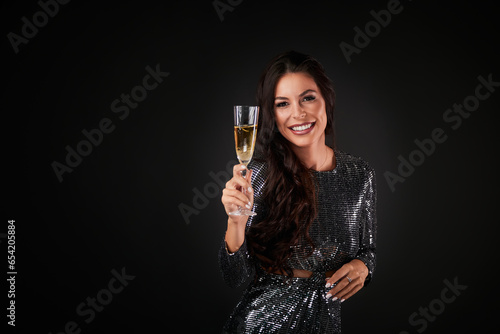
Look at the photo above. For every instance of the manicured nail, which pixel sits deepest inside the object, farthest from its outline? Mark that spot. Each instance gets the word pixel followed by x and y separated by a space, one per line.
pixel 328 285
pixel 342 300
pixel 243 167
pixel 334 299
pixel 329 296
pixel 248 206
pixel 249 189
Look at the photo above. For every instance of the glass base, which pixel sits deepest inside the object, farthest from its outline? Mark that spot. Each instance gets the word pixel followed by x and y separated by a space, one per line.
pixel 242 212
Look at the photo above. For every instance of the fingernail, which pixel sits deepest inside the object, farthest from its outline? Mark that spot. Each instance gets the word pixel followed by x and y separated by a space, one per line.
pixel 334 299
pixel 249 189
pixel 328 285
pixel 342 300
pixel 329 296
pixel 243 167
pixel 248 206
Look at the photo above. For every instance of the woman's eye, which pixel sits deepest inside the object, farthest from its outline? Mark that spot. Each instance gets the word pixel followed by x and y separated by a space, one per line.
pixel 281 104
pixel 309 98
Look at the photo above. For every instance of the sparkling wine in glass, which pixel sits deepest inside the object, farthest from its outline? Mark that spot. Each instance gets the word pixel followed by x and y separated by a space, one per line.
pixel 245 133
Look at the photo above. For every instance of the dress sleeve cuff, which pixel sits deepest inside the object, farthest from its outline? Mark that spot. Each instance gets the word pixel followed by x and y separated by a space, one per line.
pixel 369 261
pixel 241 251
pixel 235 267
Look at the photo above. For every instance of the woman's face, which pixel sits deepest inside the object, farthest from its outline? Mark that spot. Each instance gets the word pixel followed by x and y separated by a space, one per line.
pixel 299 109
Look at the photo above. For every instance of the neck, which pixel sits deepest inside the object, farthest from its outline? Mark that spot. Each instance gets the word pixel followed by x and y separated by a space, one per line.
pixel 317 156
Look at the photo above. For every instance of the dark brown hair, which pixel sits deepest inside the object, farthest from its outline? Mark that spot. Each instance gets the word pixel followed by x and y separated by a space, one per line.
pixel 289 197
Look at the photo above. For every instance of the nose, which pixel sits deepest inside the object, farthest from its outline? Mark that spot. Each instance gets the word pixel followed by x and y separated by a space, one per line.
pixel 298 111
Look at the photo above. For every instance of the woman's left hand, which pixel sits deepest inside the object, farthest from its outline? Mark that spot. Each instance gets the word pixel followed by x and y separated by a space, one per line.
pixel 350 278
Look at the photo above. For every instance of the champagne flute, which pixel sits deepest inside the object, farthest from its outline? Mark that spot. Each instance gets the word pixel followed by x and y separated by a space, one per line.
pixel 245 133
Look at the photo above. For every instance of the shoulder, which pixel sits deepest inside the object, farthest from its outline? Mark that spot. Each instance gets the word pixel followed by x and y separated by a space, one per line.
pixel 354 165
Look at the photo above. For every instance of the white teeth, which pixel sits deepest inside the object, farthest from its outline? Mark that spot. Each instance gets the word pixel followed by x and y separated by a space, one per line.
pixel 302 127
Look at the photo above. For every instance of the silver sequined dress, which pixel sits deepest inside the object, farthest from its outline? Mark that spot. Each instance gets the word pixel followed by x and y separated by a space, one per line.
pixel 344 229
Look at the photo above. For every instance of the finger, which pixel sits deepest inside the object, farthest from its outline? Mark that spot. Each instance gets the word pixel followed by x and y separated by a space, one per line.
pixel 234 205
pixel 235 197
pixel 338 291
pixel 351 293
pixel 338 275
pixel 234 189
pixel 249 178
pixel 246 180
pixel 344 289
pixel 249 188
pixel 237 169
pixel 237 183
pixel 242 171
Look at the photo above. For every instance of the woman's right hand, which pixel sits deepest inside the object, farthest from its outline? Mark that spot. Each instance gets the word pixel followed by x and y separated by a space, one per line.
pixel 234 196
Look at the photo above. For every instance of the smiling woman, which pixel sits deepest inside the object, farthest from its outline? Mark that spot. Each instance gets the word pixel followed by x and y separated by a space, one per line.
pixel 300 111
pixel 311 245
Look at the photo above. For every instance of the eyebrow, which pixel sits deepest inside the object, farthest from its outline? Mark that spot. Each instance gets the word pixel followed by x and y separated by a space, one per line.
pixel 301 94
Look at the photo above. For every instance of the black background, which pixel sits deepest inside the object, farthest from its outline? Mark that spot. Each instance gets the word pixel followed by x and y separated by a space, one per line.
pixel 119 208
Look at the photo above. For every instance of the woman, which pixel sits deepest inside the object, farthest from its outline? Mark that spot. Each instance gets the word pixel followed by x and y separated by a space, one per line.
pixel 311 245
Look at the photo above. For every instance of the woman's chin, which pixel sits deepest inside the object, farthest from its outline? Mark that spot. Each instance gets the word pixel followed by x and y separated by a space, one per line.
pixel 305 142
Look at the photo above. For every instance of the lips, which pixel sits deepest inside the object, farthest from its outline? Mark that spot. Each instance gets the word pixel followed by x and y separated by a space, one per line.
pixel 303 128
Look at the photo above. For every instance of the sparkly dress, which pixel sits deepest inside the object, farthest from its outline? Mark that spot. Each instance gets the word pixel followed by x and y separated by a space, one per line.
pixel 345 229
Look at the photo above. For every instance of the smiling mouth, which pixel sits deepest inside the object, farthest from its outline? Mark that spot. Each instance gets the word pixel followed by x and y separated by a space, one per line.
pixel 302 128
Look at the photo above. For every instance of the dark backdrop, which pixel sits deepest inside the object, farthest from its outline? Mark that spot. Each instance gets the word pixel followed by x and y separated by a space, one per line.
pixel 118 213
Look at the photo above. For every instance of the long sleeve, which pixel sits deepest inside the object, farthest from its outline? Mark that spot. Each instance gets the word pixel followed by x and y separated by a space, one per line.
pixel 237 267
pixel 368 225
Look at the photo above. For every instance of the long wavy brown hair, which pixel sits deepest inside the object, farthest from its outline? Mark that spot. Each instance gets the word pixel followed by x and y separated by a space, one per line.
pixel 289 196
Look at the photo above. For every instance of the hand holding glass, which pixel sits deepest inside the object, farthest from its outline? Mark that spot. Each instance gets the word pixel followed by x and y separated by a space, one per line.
pixel 245 133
